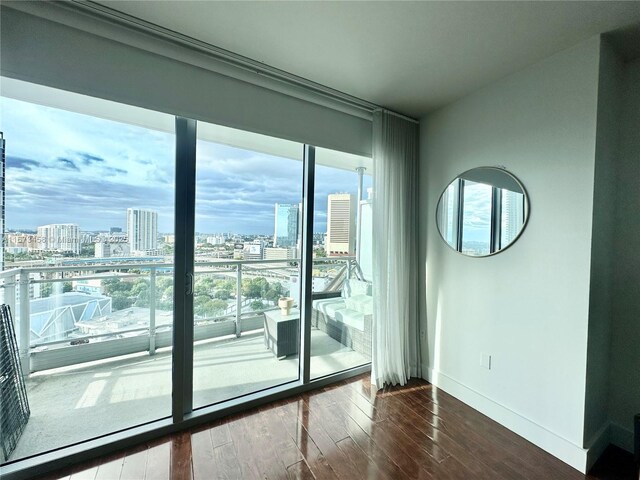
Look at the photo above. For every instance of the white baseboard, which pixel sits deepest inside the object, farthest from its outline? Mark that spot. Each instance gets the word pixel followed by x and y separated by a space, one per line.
pixel 570 453
pixel 621 437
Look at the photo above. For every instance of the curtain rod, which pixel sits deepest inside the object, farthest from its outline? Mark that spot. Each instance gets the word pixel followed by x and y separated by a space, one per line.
pixel 396 114
pixel 122 19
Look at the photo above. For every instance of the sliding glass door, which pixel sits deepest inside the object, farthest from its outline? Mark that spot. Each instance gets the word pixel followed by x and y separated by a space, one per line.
pixel 342 307
pixel 246 297
pixel 160 268
pixel 87 267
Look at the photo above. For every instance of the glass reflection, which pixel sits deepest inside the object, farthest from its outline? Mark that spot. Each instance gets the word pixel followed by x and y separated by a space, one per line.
pixel 482 211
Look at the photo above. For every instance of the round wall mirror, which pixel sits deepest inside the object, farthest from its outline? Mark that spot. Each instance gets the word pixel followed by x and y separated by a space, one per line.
pixel 482 211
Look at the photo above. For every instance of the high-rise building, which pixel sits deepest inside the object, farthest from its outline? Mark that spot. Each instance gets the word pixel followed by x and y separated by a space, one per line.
pixel 111 249
pixel 341 224
pixel 59 237
pixel 2 186
pixel 512 216
pixel 254 250
pixel 280 253
pixel 142 230
pixel 286 224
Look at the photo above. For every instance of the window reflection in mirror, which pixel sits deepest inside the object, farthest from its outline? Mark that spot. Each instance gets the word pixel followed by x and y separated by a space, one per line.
pixel 476 218
pixel 482 211
pixel 448 222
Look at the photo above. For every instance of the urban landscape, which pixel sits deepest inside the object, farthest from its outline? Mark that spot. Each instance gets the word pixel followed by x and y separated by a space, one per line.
pixel 87 270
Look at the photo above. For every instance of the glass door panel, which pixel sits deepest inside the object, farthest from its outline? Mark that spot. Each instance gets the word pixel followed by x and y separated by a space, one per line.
pixel 87 262
pixel 248 242
pixel 342 270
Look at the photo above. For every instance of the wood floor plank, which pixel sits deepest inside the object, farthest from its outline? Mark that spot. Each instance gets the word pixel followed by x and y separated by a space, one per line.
pixel 267 459
pixel 299 471
pixel 516 462
pixel 134 466
pixel 110 470
pixel 315 425
pixel 226 465
pixel 159 461
pixel 348 431
pixel 220 434
pixel 289 415
pixel 86 474
pixel 202 454
pixel 395 451
pixel 243 451
pixel 283 444
pixel 181 464
pixel 363 464
pixel 409 420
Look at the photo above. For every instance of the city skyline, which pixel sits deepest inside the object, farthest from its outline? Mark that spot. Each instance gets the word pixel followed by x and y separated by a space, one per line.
pixel 66 167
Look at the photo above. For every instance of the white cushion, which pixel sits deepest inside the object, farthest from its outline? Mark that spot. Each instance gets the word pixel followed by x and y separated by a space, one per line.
pixel 360 303
pixel 329 306
pixel 353 287
pixel 350 317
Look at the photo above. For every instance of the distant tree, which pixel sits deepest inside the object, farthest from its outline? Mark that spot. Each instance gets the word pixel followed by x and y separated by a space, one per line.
pixel 45 290
pixel 67 287
pixel 257 305
pixel 142 299
pixel 222 294
pixel 218 306
pixel 204 286
pixel 139 286
pixel 228 285
pixel 88 250
pixel 119 302
pixel 114 286
pixel 164 293
pixel 275 291
pixel 255 288
pixel 205 307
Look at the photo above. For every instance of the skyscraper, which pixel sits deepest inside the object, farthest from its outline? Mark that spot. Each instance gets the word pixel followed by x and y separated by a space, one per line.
pixel 286 225
pixel 341 224
pixel 142 230
pixel 59 237
pixel 2 184
pixel 512 216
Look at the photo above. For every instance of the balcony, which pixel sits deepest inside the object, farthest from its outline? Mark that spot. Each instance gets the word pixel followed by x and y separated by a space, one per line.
pixel 94 364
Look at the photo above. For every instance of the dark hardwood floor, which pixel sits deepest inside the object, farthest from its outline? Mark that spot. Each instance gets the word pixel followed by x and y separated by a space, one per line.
pixel 348 431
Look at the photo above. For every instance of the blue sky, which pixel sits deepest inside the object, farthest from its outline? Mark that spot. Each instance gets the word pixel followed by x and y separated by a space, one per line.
pixel 64 167
pixel 477 212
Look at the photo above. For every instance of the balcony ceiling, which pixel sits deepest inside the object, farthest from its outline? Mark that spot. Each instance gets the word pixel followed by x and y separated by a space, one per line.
pixel 412 57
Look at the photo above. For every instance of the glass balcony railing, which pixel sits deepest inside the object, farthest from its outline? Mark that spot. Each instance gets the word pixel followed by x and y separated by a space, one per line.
pixel 69 315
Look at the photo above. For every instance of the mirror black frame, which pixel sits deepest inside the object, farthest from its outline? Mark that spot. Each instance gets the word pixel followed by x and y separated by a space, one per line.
pixel 495 232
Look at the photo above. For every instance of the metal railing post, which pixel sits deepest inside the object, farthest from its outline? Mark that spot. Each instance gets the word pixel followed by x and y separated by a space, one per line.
pixel 25 323
pixel 239 300
pixel 152 311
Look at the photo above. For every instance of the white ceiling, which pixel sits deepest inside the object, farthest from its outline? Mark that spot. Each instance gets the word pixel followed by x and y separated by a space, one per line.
pixel 411 57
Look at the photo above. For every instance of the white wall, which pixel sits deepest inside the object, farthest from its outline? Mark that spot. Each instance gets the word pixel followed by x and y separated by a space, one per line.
pixel 624 400
pixel 600 306
pixel 527 307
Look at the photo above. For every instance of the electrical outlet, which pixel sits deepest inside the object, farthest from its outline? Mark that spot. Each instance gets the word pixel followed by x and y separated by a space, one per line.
pixel 485 361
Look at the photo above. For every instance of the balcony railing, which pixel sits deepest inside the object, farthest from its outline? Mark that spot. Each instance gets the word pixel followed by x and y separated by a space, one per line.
pixel 75 347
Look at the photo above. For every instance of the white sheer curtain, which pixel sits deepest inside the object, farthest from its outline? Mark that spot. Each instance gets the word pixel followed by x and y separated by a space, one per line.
pixel 395 354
